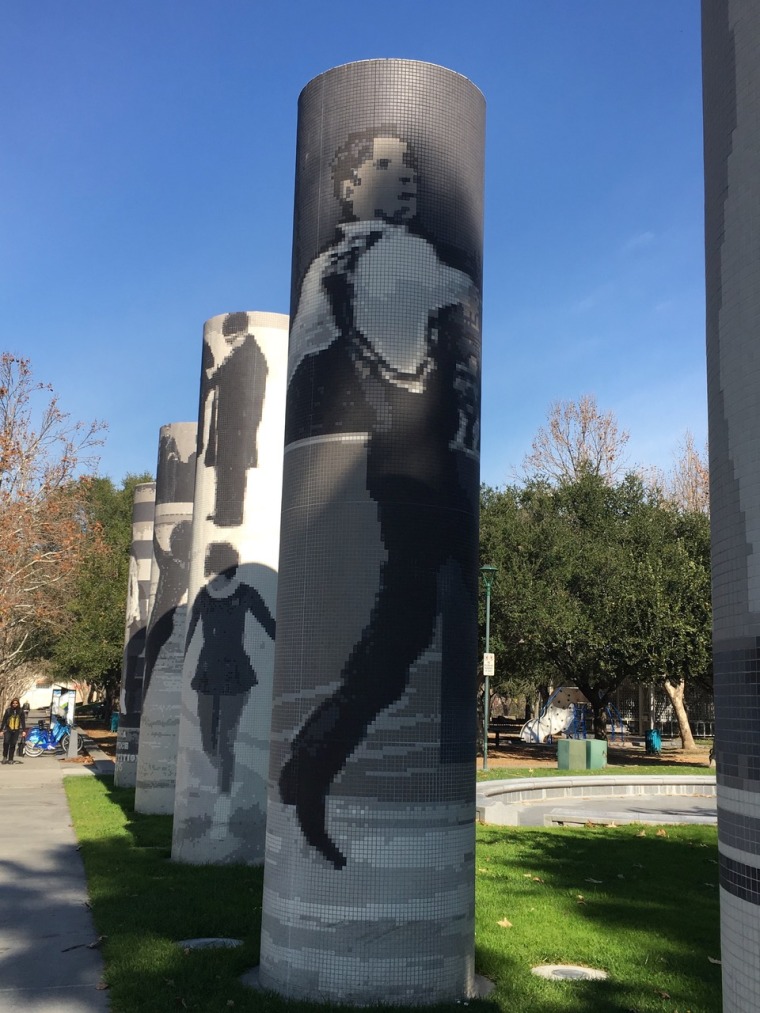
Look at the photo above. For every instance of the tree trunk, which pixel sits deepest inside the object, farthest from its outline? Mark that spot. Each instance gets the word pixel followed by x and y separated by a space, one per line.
pixel 598 704
pixel 675 695
pixel 600 720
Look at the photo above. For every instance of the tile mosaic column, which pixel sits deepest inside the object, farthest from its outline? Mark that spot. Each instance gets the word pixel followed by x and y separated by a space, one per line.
pixel 165 639
pixel 369 875
pixel 731 83
pixel 223 758
pixel 133 664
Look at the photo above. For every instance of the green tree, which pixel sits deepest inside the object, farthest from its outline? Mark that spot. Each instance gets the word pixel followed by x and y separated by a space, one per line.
pixel 598 583
pixel 90 647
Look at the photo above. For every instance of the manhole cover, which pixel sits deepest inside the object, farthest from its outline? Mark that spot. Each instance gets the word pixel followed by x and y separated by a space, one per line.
pixel 568 972
pixel 208 943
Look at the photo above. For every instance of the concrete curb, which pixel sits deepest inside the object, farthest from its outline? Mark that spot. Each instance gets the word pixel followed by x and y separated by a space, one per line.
pixel 499 802
pixel 102 762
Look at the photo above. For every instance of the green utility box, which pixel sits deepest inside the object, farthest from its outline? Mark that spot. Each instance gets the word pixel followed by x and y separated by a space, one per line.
pixel 596 754
pixel 571 754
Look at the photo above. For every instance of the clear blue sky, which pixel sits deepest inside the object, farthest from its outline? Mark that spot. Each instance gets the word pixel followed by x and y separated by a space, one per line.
pixel 146 169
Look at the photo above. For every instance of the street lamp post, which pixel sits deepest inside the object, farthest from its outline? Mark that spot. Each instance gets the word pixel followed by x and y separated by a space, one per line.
pixel 488 575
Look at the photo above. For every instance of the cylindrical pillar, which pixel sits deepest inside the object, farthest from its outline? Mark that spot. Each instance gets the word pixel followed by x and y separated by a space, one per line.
pixel 223 758
pixel 165 639
pixel 731 94
pixel 369 875
pixel 133 664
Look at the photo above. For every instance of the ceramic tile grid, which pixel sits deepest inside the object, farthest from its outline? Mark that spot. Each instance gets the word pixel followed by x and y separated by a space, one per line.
pixel 133 664
pixel 369 873
pixel 165 639
pixel 223 757
pixel 731 74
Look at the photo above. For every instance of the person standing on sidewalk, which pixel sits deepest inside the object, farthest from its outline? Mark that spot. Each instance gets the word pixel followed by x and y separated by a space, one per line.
pixel 13 724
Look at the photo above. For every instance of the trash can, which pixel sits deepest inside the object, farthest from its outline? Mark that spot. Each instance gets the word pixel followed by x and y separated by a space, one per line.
pixel 653 742
pixel 571 754
pixel 596 754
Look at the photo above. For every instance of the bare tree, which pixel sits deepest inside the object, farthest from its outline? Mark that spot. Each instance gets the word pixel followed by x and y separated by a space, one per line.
pixel 578 439
pixel 688 485
pixel 42 529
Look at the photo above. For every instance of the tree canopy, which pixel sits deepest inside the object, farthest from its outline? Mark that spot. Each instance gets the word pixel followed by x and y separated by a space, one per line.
pixel 42 451
pixel 90 647
pixel 598 583
pixel 578 439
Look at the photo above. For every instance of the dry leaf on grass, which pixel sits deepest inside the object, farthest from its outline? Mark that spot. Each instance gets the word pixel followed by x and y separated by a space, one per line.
pixel 661 833
pixel 714 960
pixel 590 880
pixel 505 923
pixel 662 993
pixel 641 833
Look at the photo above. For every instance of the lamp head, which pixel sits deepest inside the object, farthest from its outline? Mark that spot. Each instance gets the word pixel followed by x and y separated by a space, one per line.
pixel 488 574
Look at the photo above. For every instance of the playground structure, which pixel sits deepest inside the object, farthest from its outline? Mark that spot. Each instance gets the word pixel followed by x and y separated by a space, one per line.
pixel 567 712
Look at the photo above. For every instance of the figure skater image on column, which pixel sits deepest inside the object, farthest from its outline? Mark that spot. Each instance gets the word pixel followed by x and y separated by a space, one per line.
pixel 173 567
pixel 224 675
pixel 232 402
pixel 385 342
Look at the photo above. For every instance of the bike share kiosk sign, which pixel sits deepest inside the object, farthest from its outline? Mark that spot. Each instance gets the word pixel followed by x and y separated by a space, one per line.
pixel 62 705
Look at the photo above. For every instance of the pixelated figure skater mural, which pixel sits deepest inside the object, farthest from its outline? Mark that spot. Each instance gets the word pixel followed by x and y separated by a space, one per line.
pixel 173 565
pixel 385 341
pixel 232 400
pixel 224 675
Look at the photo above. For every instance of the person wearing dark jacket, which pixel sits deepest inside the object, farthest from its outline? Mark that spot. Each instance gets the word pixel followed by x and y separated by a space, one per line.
pixel 13 724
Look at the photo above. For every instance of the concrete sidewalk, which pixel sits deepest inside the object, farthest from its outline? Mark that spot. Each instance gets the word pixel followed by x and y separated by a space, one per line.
pixel 46 965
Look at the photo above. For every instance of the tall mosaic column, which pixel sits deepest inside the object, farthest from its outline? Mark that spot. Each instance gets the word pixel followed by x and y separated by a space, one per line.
pixel 223 759
pixel 369 875
pixel 165 639
pixel 731 84
pixel 133 664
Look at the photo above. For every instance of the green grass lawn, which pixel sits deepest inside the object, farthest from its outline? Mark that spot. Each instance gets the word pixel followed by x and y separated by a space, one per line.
pixel 505 773
pixel 641 906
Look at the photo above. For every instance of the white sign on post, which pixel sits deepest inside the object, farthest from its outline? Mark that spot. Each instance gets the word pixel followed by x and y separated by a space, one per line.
pixel 488 664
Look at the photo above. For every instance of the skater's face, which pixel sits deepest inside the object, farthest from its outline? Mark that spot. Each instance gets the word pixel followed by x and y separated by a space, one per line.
pixel 384 185
pixel 221 584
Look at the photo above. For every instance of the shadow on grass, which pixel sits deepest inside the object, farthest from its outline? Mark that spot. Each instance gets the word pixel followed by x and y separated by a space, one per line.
pixel 143 902
pixel 615 898
pixel 653 896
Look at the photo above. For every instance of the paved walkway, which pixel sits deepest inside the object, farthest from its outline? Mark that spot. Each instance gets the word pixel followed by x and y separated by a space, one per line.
pixel 46 965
